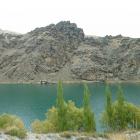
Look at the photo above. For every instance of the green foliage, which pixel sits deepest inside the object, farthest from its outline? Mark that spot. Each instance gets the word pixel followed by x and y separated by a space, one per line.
pixel 61 108
pixel 14 131
pixel 74 117
pixel 12 125
pixel 52 117
pixel 42 126
pixel 134 116
pixel 89 122
pixel 109 109
pixel 120 111
pixel 66 116
pixel 37 126
pixel 120 115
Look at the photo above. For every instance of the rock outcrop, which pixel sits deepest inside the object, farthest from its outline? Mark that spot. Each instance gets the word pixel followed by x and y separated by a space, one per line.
pixel 62 51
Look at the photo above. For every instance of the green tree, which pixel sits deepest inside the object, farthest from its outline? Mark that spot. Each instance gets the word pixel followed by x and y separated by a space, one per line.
pixel 120 110
pixel 89 121
pixel 61 107
pixel 74 117
pixel 120 115
pixel 109 108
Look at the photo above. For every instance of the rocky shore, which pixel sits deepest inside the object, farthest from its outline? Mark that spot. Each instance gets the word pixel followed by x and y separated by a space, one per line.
pixel 63 51
pixel 31 136
pixel 51 136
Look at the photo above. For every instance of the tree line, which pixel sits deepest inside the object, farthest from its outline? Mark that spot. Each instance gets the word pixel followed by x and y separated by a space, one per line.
pixel 66 116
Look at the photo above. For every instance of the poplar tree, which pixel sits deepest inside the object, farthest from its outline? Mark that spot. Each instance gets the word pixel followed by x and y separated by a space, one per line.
pixel 61 107
pixel 109 108
pixel 121 115
pixel 89 121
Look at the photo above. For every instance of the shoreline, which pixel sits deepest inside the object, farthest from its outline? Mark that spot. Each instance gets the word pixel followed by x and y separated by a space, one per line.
pixel 130 135
pixel 76 82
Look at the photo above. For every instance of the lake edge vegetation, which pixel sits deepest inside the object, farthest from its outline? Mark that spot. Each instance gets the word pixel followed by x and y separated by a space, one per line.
pixel 65 116
pixel 120 115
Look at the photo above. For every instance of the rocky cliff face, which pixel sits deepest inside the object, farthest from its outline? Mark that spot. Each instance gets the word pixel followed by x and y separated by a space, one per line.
pixel 62 51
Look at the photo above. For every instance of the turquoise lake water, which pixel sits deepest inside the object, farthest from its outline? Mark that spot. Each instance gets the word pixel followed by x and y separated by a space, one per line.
pixel 30 101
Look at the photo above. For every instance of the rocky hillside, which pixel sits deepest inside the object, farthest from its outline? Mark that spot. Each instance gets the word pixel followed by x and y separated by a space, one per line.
pixel 62 51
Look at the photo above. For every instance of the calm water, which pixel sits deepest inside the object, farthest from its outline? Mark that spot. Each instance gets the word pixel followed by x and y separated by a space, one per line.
pixel 32 101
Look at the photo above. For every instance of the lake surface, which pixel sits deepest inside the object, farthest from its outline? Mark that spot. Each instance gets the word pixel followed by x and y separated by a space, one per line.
pixel 32 101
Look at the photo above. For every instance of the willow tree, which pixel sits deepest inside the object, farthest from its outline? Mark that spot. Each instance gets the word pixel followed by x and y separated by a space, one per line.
pixel 89 121
pixel 61 108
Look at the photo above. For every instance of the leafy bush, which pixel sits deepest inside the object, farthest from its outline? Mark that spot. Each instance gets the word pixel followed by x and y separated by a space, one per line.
pixel 66 116
pixel 134 114
pixel 120 115
pixel 43 126
pixel 12 125
pixel 74 117
pixel 14 131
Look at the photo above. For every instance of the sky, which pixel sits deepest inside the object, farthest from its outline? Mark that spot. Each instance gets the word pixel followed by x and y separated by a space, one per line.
pixel 96 17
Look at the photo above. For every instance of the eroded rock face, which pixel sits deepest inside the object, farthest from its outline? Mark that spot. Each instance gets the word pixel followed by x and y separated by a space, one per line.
pixel 62 51
pixel 119 60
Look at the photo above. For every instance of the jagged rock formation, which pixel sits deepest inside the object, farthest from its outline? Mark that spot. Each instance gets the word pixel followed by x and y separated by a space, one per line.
pixel 62 51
